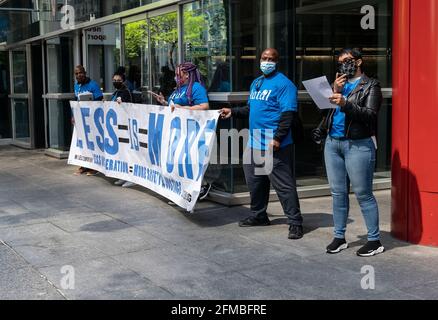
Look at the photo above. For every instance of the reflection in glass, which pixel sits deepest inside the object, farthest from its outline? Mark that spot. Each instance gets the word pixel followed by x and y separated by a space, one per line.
pixel 321 31
pixel 5 110
pixel 21 111
pixel 19 67
pixel 60 76
pixel 103 44
pixel 205 42
pixel 60 129
pixel 164 51
pixel 137 58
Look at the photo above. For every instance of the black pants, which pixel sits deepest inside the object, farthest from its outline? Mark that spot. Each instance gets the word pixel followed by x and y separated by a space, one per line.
pixel 281 176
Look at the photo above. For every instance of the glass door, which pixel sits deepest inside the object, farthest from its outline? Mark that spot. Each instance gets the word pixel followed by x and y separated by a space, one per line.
pixel 5 110
pixel 163 35
pixel 151 53
pixel 20 98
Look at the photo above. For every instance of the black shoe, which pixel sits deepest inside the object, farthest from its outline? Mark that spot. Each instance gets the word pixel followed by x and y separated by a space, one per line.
pixel 371 249
pixel 254 222
pixel 205 189
pixel 337 246
pixel 296 232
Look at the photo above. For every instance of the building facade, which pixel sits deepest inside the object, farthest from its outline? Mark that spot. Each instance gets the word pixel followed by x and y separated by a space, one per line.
pixel 42 40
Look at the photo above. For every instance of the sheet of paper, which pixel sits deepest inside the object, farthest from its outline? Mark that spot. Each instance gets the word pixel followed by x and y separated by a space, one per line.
pixel 320 91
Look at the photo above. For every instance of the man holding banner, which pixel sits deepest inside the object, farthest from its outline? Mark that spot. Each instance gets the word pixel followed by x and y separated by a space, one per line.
pixel 271 105
pixel 86 89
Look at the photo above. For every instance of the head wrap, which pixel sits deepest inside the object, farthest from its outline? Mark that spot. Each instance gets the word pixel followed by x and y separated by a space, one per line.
pixel 194 76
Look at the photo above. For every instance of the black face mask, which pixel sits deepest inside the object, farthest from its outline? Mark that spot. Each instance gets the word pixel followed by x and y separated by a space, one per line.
pixel 348 68
pixel 118 85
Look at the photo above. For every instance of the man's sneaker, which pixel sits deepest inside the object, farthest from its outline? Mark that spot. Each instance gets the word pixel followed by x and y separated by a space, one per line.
pixel 205 189
pixel 371 249
pixel 337 246
pixel 119 182
pixel 295 232
pixel 128 184
pixel 254 222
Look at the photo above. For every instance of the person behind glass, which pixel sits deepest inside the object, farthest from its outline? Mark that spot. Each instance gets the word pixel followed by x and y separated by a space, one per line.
pixel 271 107
pixel 122 94
pixel 189 94
pixel 85 85
pixel 350 149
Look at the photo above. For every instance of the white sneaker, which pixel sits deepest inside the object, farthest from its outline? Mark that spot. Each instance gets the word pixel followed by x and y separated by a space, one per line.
pixel 128 184
pixel 119 182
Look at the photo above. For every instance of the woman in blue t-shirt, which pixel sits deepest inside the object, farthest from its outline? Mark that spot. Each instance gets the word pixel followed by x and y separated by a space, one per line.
pixel 190 92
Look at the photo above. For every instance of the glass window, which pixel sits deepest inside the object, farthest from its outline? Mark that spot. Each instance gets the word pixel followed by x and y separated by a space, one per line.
pixel 205 42
pixel 60 76
pixel 5 110
pixel 163 31
pixel 21 113
pixel 322 29
pixel 19 67
pixel 103 45
pixel 60 129
pixel 137 57
pixel 257 25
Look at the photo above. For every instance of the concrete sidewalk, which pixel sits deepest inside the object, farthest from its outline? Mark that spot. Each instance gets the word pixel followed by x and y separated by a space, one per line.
pixel 130 244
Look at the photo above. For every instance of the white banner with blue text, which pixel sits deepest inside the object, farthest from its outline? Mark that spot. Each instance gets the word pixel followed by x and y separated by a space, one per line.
pixel 164 151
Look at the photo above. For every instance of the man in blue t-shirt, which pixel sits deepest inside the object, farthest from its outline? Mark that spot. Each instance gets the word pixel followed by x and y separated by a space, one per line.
pixel 85 85
pixel 272 104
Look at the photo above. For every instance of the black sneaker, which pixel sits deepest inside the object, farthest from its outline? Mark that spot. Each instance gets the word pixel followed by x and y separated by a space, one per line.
pixel 254 222
pixel 205 189
pixel 337 246
pixel 371 249
pixel 296 232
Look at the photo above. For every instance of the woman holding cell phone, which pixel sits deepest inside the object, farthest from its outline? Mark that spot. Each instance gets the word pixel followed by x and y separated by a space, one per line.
pixel 350 149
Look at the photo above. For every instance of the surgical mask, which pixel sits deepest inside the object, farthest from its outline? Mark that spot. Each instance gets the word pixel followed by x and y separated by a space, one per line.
pixel 117 84
pixel 348 68
pixel 268 67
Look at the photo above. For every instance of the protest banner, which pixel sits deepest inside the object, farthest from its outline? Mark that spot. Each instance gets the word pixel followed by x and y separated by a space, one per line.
pixel 164 151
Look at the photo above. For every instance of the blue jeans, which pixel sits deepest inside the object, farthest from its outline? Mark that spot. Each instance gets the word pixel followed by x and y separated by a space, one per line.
pixel 352 161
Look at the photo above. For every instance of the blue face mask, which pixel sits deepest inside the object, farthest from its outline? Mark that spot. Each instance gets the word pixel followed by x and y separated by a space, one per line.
pixel 268 67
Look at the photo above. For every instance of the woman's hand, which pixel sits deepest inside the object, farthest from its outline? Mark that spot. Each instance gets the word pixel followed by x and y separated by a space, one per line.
pixel 161 99
pixel 341 80
pixel 225 113
pixel 119 100
pixel 338 99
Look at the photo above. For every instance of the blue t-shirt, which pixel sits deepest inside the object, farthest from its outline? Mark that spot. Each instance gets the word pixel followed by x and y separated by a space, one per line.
pixel 338 127
pixel 199 95
pixel 269 98
pixel 90 86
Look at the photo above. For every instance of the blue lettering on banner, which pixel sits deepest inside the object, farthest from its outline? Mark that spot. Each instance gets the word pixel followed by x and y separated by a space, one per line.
pixel 192 133
pixel 99 117
pixel 85 112
pixel 133 132
pixel 111 148
pixel 154 137
pixel 156 178
pixel 175 131
pixel 203 147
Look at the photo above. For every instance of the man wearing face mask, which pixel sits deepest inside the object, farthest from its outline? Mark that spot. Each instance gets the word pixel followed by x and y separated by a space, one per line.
pixel 271 107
